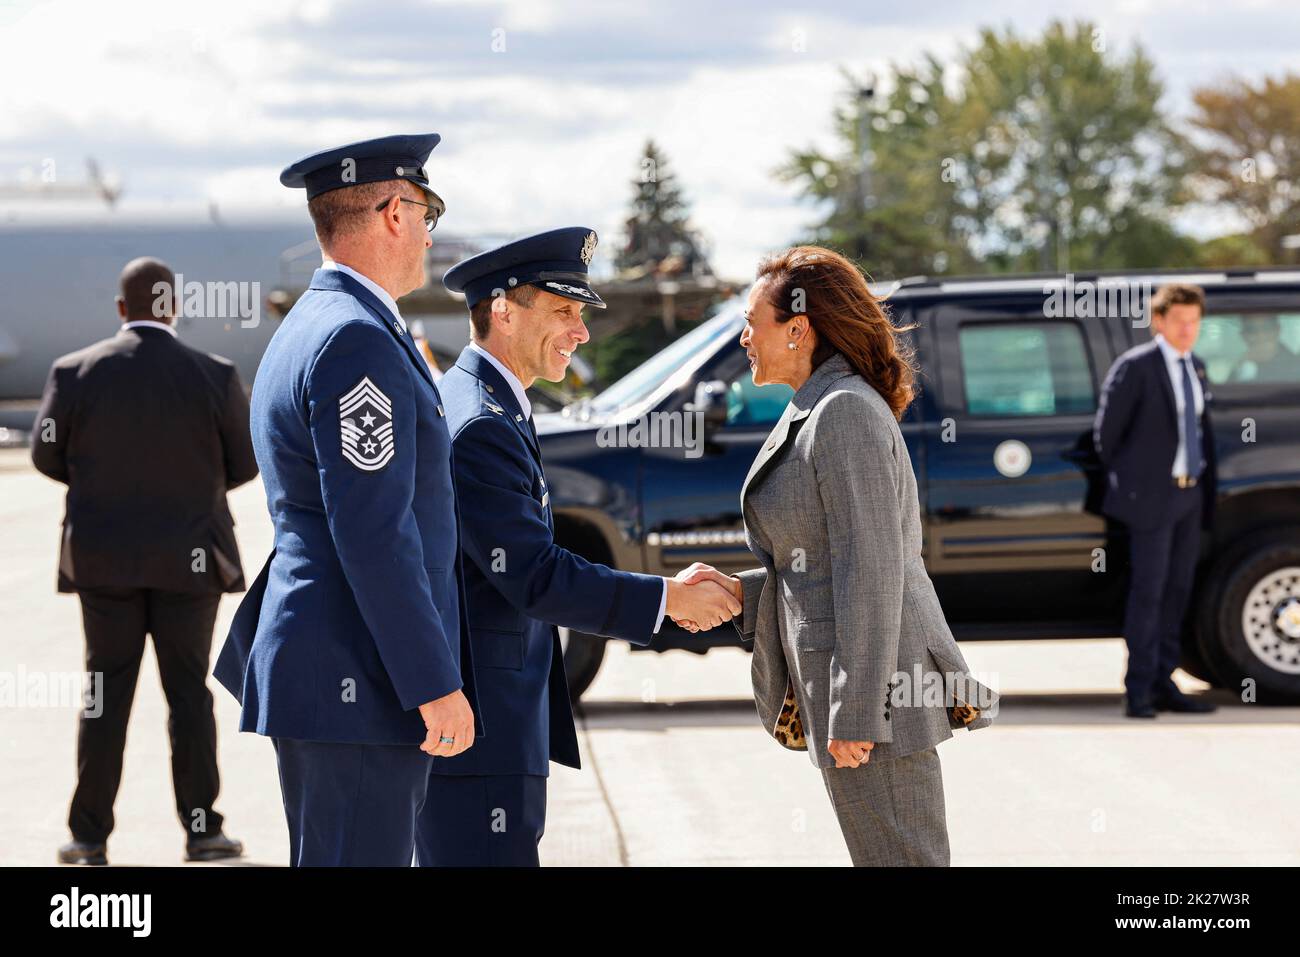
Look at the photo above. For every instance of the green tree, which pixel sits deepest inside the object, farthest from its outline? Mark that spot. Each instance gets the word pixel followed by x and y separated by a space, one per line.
pixel 1248 158
pixel 658 237
pixel 1047 153
pixel 880 188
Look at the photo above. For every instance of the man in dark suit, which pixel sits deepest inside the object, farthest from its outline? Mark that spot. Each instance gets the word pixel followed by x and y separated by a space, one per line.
pixel 148 435
pixel 1152 433
pixel 488 807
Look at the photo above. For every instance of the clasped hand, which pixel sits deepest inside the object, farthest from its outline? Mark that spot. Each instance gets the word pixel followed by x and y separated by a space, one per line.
pixel 701 597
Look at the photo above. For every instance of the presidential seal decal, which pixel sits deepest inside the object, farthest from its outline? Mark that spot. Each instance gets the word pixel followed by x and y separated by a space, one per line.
pixel 366 426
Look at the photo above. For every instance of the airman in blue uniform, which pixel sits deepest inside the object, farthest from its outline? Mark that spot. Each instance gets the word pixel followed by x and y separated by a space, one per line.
pixel 351 649
pixel 488 806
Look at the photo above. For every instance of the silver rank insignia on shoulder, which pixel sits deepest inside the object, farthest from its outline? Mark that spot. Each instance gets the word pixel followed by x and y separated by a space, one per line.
pixel 366 426
pixel 519 418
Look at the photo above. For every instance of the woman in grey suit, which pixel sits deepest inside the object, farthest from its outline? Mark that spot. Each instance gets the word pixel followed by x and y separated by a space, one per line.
pixel 853 660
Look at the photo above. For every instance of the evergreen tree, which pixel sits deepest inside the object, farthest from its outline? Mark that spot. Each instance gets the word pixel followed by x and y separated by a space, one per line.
pixel 658 237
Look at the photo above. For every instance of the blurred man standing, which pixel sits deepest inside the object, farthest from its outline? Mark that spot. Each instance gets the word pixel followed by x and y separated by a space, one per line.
pixel 1153 436
pixel 148 435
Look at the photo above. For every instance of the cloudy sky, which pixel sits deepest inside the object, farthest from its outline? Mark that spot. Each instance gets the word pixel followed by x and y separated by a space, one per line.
pixel 543 105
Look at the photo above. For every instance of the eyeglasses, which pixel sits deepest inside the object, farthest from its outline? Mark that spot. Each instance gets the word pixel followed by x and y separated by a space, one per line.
pixel 431 214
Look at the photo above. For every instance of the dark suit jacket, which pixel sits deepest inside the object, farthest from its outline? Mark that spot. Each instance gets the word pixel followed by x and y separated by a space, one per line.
pixel 148 435
pixel 1136 435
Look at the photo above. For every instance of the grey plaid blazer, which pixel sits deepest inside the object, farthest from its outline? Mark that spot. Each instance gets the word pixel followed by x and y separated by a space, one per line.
pixel 842 611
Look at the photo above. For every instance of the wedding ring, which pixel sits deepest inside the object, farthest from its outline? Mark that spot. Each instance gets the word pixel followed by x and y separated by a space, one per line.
pixel 443 739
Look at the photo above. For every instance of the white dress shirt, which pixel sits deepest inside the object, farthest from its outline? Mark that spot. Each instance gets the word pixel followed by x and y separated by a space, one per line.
pixel 512 380
pixel 1174 366
pixel 526 407
pixel 150 324
pixel 380 292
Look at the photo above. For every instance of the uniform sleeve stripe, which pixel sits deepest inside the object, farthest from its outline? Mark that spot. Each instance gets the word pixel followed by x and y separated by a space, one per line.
pixel 362 391
pixel 368 466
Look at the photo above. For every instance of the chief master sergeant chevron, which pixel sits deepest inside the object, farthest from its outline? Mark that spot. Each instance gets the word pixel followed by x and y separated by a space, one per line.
pixel 488 807
pixel 350 650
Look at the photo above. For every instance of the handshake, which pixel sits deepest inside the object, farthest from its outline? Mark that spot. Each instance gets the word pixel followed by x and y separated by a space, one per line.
pixel 701 597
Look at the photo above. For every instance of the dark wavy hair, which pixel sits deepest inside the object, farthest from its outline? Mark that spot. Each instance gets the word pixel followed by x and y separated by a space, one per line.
pixel 848 318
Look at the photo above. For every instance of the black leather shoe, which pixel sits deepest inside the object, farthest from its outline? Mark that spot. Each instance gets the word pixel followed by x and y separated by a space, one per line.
pixel 1184 704
pixel 1138 709
pixel 80 852
pixel 215 848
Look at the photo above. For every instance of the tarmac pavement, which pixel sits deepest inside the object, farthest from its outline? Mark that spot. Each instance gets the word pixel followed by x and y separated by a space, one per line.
pixel 677 770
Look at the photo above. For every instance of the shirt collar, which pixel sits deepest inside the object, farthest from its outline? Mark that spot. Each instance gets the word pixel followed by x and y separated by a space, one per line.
pixel 1171 354
pixel 512 380
pixel 380 292
pixel 149 324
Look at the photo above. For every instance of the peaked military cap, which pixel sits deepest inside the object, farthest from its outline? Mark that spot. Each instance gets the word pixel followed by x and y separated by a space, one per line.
pixel 370 161
pixel 556 261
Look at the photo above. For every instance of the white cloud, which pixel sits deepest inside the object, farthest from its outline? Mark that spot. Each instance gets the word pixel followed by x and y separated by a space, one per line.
pixel 204 103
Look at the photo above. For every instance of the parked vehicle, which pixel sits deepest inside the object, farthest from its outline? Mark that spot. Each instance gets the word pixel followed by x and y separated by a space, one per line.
pixel 1001 442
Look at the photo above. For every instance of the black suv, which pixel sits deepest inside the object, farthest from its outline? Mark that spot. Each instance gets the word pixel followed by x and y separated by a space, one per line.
pixel 646 476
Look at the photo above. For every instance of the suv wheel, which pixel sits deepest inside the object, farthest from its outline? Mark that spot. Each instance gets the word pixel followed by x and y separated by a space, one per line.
pixel 583 654
pixel 1250 621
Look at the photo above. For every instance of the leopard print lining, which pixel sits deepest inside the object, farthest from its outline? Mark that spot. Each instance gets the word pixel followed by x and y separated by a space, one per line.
pixel 789 727
pixel 963 712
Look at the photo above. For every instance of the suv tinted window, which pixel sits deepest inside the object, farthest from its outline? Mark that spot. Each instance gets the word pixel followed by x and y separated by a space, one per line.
pixel 1025 368
pixel 1260 347
pixel 749 404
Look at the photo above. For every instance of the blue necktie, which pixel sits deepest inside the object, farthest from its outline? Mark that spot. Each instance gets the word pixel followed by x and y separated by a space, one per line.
pixel 1191 424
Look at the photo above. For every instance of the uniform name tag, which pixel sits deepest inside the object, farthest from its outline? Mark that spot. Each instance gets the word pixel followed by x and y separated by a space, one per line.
pixel 366 426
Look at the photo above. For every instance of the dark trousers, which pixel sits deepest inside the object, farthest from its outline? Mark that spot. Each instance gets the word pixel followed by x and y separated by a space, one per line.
pixel 351 805
pixel 1163 562
pixel 116 622
pixel 482 820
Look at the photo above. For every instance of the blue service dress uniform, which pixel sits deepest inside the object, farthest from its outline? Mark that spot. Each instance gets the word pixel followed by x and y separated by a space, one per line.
pixel 358 617
pixel 487 806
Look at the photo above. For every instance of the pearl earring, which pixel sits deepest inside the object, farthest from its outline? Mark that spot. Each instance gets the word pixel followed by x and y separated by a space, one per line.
pixel 792 345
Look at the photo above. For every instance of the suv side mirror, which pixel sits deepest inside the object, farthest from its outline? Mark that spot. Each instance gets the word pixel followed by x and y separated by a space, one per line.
pixel 710 403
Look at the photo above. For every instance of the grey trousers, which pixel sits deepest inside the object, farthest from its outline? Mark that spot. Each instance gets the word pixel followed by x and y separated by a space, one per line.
pixel 891 812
